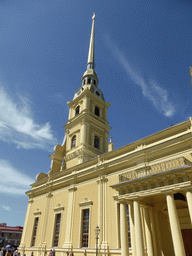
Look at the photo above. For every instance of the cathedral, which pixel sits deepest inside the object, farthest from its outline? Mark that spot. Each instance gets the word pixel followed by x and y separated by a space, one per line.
pixel 135 200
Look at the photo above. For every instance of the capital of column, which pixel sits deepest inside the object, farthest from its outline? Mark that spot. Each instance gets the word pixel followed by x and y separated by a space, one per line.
pixel 30 201
pixel 168 192
pixel 189 189
pixel 72 188
pixel 49 195
pixel 85 121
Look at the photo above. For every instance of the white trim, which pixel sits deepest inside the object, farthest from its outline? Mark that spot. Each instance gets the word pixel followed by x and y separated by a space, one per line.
pixel 35 217
pixel 85 204
pixel 57 210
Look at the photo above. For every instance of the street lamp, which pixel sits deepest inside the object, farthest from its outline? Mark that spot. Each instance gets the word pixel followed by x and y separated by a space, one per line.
pixel 5 241
pixel 97 230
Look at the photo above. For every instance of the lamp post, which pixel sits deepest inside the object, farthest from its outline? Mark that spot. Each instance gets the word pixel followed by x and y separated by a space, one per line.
pixel 97 230
pixel 5 241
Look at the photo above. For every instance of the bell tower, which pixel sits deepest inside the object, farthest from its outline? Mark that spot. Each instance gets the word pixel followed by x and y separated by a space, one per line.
pixel 87 127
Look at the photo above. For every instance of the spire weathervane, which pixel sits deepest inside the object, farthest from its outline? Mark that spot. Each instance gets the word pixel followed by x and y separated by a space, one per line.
pixel 90 61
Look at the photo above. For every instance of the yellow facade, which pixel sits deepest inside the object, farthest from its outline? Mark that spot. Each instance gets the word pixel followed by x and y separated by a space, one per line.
pixel 90 185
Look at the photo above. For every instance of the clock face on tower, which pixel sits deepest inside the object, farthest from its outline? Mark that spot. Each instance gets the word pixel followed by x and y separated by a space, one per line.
pixel 78 92
pixel 97 93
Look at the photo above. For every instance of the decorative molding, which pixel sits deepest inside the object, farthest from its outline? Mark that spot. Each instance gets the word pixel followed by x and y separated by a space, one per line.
pixel 59 207
pixel 74 154
pixel 72 188
pixel 74 132
pixel 30 201
pixel 86 202
pixel 154 169
pixel 37 212
pixel 49 195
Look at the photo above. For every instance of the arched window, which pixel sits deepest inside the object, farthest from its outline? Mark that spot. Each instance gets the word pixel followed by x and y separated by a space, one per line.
pixel 73 141
pixel 97 111
pixel 84 82
pixel 77 110
pixel 96 142
pixel 89 80
pixel 94 82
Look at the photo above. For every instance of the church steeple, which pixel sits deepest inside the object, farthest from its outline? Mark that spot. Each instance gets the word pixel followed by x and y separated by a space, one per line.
pixel 87 128
pixel 90 61
pixel 90 76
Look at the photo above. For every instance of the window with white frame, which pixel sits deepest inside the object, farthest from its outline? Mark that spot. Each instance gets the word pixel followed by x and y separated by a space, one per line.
pixel 57 229
pixel 36 221
pixel 85 228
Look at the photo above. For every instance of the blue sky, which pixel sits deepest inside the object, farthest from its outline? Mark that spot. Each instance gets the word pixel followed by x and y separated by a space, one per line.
pixel 143 50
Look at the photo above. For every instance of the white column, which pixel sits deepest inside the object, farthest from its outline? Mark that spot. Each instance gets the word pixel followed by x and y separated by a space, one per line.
pixel 138 230
pixel 175 227
pixel 124 230
pixel 132 229
pixel 189 202
pixel 148 232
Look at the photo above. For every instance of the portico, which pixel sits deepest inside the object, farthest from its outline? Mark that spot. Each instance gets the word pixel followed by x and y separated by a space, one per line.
pixel 160 203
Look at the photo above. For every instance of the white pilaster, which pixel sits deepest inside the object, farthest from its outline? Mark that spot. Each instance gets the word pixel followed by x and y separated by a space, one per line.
pixel 153 230
pixel 43 237
pixel 70 217
pixel 159 243
pixel 30 201
pixel 83 132
pixel 102 215
pixel 175 226
pixel 148 232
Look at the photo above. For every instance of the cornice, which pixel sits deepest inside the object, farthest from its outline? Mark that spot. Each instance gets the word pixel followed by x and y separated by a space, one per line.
pixel 37 212
pixel 86 202
pixel 59 207
pixel 91 118
pixel 118 160
pixel 88 92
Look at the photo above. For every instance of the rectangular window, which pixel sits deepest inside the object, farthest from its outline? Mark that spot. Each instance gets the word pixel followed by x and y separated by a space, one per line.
pixel 57 229
pixel 2 234
pixel 35 231
pixel 85 228
pixel 128 224
pixel 10 235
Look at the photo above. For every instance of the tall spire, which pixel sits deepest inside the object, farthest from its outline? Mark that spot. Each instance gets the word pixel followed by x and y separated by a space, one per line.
pixel 90 61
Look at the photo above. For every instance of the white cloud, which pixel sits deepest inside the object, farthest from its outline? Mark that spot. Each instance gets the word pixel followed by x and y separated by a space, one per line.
pixel 18 126
pixel 13 181
pixel 5 207
pixel 151 90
